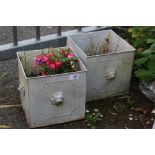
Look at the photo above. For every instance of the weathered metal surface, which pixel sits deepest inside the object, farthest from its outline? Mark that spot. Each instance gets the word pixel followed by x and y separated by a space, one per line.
pixel 148 89
pixel 41 96
pixel 107 74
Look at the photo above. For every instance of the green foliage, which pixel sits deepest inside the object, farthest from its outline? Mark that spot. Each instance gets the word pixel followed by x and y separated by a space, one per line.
pixel 145 75
pixel 141 61
pixel 142 36
pixel 151 65
pixel 92 119
pixel 145 66
pixel 129 101
pixel 143 39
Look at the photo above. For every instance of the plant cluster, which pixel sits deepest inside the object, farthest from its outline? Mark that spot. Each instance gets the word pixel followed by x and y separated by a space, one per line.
pixel 54 61
pixel 140 36
pixel 143 39
pixel 92 119
pixel 130 102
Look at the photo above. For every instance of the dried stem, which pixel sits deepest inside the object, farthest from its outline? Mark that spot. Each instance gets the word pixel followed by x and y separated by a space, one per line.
pixel 117 44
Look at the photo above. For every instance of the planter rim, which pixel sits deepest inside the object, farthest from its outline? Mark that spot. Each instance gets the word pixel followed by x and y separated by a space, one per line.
pixel 92 56
pixel 111 31
pixel 54 75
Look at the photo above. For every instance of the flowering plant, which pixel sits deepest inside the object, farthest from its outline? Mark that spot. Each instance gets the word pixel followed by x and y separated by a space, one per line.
pixel 54 61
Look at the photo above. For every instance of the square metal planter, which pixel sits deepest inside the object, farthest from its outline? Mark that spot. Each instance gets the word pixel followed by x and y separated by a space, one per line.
pixel 40 95
pixel 108 74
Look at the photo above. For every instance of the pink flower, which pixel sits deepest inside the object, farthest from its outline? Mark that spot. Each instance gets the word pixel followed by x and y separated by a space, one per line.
pixel 48 62
pixel 62 51
pixel 58 63
pixel 52 66
pixel 45 58
pixel 43 73
pixel 39 59
pixel 70 55
pixel 48 55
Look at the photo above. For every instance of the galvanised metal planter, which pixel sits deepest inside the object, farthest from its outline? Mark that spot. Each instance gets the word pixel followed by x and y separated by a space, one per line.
pixel 52 99
pixel 109 64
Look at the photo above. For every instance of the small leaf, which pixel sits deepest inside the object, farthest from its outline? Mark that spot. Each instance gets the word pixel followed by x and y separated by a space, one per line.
pixel 130 30
pixel 141 61
pixel 134 35
pixel 153 45
pixel 151 65
pixel 152 30
pixel 138 55
pixel 152 57
pixel 93 127
pixel 148 51
pixel 150 41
